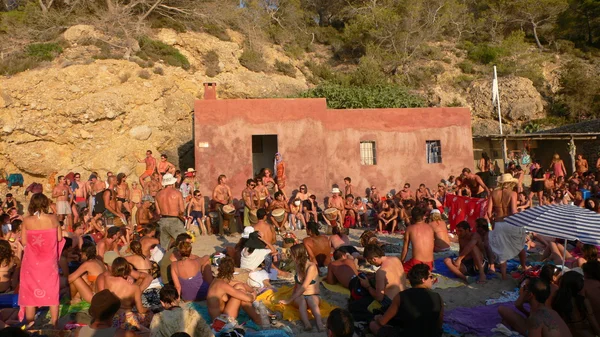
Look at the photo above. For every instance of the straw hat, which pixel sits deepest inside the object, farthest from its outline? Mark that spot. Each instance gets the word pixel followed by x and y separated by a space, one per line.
pixel 168 179
pixel 335 190
pixel 278 214
pixel 507 178
pixel 190 170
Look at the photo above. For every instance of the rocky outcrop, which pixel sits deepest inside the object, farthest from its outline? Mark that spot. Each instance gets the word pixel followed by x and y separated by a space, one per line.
pixel 520 101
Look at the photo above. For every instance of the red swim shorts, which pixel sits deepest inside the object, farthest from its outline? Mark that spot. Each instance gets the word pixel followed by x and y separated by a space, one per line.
pixel 412 262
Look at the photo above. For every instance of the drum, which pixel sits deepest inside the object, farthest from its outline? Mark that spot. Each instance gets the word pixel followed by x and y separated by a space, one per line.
pixel 331 214
pixel 262 202
pixel 271 188
pixel 252 216
pixel 228 215
pixel 278 214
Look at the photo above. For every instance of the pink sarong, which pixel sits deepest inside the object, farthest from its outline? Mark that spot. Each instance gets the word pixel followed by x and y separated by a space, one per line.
pixel 39 285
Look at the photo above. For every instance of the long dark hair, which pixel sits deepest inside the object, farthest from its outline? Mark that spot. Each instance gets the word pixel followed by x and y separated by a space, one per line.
pixel 300 256
pixel 569 288
pixel 38 203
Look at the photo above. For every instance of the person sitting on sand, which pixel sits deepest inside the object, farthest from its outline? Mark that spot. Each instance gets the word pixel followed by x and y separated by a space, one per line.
pixel 109 243
pixel 104 305
pixel 342 270
pixel 279 203
pixel 470 261
pixel 542 320
pixel 349 209
pixel 340 240
pixel 440 230
pixel 360 209
pixel 573 307
pixel 340 323
pixel 118 282
pixel 389 278
pixel 92 268
pixel 422 238
pixel 226 296
pixel 177 317
pixel 317 245
pixel 10 266
pixel 387 216
pixel 173 255
pixel 150 244
pixel 306 290
pixel 336 201
pixel 191 277
pixel 416 311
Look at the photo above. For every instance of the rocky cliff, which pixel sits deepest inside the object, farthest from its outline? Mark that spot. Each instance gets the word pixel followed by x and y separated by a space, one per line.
pixel 82 114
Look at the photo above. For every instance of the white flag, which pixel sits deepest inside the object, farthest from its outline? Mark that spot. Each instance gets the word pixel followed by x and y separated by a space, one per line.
pixel 495 92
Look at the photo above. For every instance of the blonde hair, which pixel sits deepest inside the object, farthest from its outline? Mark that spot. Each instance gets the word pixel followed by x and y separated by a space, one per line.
pixel 555 158
pixel 436 216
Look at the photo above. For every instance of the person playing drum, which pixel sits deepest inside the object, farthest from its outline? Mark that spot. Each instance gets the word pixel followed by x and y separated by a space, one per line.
pixel 222 196
pixel 279 218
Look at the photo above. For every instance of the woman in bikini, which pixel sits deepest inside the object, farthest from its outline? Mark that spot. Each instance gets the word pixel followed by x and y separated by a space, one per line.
pixel 123 193
pixel 142 264
pixel 191 276
pixel 306 289
pixel 92 267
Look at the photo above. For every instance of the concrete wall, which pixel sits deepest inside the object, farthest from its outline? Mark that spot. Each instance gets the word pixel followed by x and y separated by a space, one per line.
pixel 321 146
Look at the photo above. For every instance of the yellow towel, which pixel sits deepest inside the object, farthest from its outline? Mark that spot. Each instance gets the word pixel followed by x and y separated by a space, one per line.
pixel 290 312
pixel 338 288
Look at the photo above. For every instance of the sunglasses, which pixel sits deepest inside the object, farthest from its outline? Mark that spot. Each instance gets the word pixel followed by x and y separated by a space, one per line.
pixel 252 185
pixel 373 188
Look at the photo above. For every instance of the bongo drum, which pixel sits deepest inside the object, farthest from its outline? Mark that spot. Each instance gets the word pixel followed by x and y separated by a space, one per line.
pixel 278 214
pixel 331 214
pixel 262 202
pixel 228 215
pixel 271 188
pixel 252 216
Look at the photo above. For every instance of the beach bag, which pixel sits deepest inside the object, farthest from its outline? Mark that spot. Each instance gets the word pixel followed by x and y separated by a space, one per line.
pixel 15 179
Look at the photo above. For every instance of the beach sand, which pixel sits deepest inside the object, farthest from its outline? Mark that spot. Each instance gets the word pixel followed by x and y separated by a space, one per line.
pixel 467 296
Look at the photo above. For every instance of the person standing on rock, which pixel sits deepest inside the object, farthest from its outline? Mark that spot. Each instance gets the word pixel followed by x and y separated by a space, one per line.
pixel 164 166
pixel 64 197
pixel 169 204
pixel 150 166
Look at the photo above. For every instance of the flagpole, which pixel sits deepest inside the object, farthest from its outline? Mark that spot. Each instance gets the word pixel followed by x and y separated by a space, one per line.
pixel 496 95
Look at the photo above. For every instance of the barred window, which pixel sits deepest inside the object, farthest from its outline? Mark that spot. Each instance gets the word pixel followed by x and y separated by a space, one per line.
pixel 434 151
pixel 368 153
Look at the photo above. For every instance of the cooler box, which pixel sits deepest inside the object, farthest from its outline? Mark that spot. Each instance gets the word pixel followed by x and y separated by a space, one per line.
pixel 586 194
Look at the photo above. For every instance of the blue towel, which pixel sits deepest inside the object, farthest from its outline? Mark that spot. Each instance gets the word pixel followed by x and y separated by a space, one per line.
pixel 440 268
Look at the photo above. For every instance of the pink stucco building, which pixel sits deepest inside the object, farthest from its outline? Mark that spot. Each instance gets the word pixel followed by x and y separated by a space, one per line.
pixel 381 147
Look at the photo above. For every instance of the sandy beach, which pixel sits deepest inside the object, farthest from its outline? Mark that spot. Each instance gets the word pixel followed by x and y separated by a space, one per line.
pixel 465 296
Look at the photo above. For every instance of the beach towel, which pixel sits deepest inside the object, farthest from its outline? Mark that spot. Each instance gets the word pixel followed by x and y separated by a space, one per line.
pixel 464 209
pixel 290 313
pixel 507 296
pixel 475 320
pixel 337 288
pixel 39 286
pixel 440 268
pixel 242 319
pixel 444 282
pixel 15 179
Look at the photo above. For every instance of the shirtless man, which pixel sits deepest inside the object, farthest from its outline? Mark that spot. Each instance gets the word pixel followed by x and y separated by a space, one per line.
pixel 389 278
pixel 317 245
pixel 81 192
pixel 442 239
pixel 222 196
pixel 109 243
pixel 64 198
pixel 143 215
pixel 475 184
pixel 169 204
pixel 110 203
pixel 374 199
pixel 250 198
pixel 94 186
pixel 470 261
pixel 196 212
pixel 542 320
pixel 347 187
pixel 150 166
pixel 226 296
pixel 343 270
pixel 422 238
pixel 149 240
pixel 267 232
pixel 279 203
pixel 165 166
pixel 405 193
pixel 422 193
pixel 581 164
pixel 336 201
pixel 154 185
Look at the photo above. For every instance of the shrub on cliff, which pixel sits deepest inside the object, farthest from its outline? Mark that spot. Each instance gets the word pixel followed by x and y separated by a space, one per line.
pixel 252 59
pixel 376 96
pixel 156 50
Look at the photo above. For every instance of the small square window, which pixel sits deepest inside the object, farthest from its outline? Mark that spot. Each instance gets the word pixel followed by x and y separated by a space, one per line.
pixel 368 153
pixel 434 151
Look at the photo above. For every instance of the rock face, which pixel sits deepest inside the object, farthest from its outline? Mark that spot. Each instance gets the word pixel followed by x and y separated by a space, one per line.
pixel 519 99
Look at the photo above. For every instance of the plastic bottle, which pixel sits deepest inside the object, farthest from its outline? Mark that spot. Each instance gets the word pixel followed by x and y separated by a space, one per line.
pixel 264 314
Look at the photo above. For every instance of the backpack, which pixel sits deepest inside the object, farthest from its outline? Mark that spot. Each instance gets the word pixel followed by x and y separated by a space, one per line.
pixel 99 206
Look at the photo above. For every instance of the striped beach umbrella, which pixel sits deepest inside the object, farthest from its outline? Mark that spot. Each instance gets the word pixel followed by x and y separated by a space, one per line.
pixel 566 222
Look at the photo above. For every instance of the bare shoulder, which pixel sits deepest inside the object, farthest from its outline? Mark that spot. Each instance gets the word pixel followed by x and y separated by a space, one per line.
pixel 544 318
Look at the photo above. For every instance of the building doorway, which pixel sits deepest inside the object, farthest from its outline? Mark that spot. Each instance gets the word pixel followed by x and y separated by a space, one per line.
pixel 264 148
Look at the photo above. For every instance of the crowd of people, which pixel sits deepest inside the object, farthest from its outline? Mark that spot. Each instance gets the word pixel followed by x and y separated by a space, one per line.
pixel 127 250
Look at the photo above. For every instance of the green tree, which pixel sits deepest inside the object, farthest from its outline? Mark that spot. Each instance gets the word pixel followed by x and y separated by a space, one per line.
pixel 376 96
pixel 537 13
pixel 580 90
